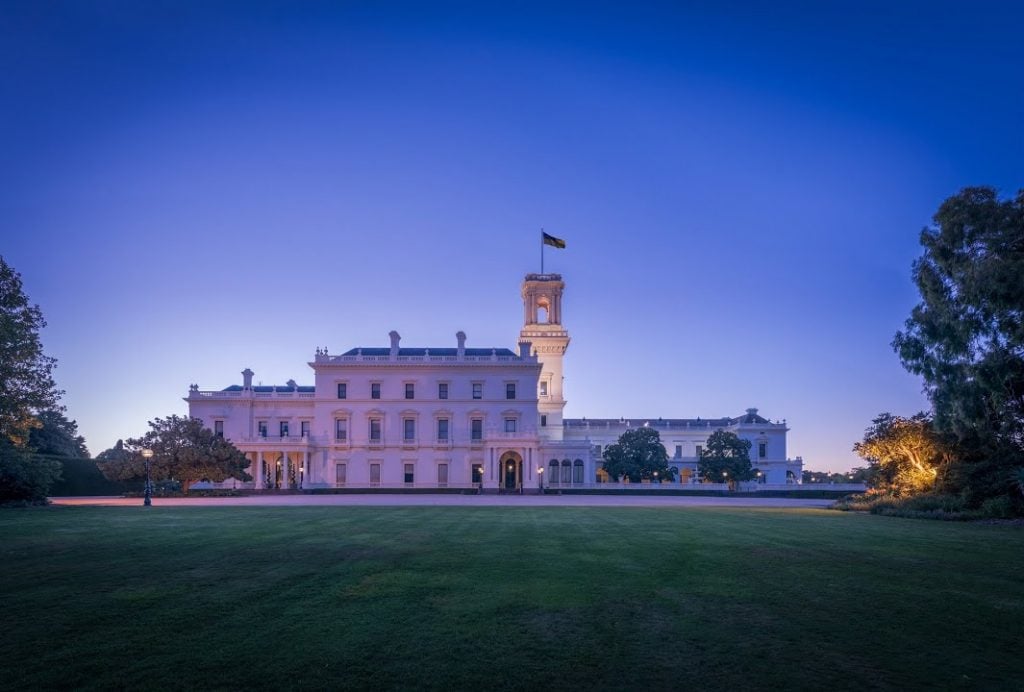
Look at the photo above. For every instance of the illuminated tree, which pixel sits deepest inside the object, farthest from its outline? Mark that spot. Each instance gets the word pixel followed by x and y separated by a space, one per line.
pixel 906 454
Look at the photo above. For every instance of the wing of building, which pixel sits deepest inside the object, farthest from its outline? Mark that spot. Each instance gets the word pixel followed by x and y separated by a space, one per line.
pixel 451 417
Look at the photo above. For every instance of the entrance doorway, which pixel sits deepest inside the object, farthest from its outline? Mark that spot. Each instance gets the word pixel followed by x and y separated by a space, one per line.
pixel 512 471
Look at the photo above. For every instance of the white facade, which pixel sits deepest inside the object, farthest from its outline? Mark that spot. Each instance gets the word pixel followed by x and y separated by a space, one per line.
pixel 449 418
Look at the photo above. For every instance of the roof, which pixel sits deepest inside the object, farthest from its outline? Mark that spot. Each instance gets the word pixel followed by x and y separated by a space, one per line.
pixel 664 422
pixel 374 351
pixel 274 388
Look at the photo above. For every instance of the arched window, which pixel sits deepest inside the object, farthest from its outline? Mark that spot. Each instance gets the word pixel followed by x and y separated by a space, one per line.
pixel 553 471
pixel 566 471
pixel 577 471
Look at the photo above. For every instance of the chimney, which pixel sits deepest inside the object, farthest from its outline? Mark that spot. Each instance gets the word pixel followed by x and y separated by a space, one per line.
pixel 395 338
pixel 247 378
pixel 461 336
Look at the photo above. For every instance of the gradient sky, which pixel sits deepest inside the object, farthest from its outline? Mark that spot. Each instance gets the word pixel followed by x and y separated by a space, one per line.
pixel 189 189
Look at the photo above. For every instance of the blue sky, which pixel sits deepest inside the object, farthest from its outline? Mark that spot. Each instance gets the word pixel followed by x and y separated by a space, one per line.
pixel 189 189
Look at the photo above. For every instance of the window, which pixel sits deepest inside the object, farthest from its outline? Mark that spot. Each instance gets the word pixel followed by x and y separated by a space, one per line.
pixel 577 471
pixel 510 390
pixel 218 428
pixel 510 425
pixel 478 473
pixel 262 428
pixel 375 430
pixel 374 474
pixel 410 390
pixel 375 390
pixel 409 425
pixel 339 475
pixel 543 387
pixel 543 421
pixel 478 390
pixel 340 428
pixel 442 475
pixel 566 472
pixel 304 428
pixel 284 428
pixel 476 428
pixel 597 450
pixel 553 471
pixel 762 449
pixel 679 451
pixel 409 474
pixel 442 390
pixel 342 390
pixel 442 429
pixel 700 451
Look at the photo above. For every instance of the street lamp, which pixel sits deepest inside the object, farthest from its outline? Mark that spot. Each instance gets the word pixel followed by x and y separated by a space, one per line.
pixel 147 501
pixel 655 476
pixel 540 477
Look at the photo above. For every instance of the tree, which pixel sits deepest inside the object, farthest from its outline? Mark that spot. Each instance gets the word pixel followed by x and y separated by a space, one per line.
pixel 725 458
pixel 966 336
pixel 906 455
pixel 638 455
pixel 183 450
pixel 26 380
pixel 57 436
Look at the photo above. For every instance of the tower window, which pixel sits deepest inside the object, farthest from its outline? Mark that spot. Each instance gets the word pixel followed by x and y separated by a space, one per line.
pixel 543 387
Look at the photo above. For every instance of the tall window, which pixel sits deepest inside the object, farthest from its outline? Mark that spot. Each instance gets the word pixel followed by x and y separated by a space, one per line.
pixel 304 428
pixel 442 390
pixel 442 475
pixel 409 424
pixel 543 421
pixel 566 472
pixel 478 390
pixel 262 428
pixel 476 428
pixel 375 390
pixel 553 471
pixel 218 428
pixel 679 451
pixel 762 449
pixel 410 390
pixel 342 390
pixel 700 451
pixel 442 429
pixel 340 428
pixel 339 474
pixel 510 390
pixel 543 387
pixel 577 471
pixel 375 430
pixel 284 428
pixel 409 474
pixel 374 474
pixel 510 425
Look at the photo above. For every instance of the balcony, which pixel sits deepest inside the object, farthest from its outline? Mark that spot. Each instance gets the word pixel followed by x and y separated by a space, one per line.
pixel 278 439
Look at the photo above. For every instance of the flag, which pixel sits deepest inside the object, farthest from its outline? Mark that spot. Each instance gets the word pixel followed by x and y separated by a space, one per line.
pixel 553 241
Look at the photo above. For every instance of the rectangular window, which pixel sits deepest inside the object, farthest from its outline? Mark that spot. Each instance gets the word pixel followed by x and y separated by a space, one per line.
pixel 597 450
pixel 478 390
pixel 409 474
pixel 262 428
pixel 510 425
pixel 679 451
pixel 762 450
pixel 304 428
pixel 339 475
pixel 543 421
pixel 340 428
pixel 374 474
pixel 476 429
pixel 442 390
pixel 375 430
pixel 409 425
pixel 218 428
pixel 510 390
pixel 342 390
pixel 442 429
pixel 410 390
pixel 543 387
pixel 284 428
pixel 700 451
pixel 442 475
pixel 375 390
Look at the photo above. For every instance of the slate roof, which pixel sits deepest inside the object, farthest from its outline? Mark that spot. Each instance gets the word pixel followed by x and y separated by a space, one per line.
pixel 664 422
pixel 373 351
pixel 275 388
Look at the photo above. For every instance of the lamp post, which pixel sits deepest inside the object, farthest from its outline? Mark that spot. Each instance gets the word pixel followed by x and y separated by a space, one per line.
pixel 540 477
pixel 655 477
pixel 147 501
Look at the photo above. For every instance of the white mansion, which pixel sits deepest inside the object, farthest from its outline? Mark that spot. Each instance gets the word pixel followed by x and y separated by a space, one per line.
pixel 452 417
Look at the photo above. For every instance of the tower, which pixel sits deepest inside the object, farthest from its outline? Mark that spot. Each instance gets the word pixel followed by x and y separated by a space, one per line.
pixel 542 326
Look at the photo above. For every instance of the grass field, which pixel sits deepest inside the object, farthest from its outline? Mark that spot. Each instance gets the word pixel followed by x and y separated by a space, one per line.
pixel 500 598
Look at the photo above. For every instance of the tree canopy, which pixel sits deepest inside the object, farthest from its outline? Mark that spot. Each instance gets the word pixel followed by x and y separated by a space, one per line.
pixel 725 459
pixel 183 450
pixel 57 436
pixel 966 336
pixel 638 455
pixel 905 455
pixel 26 373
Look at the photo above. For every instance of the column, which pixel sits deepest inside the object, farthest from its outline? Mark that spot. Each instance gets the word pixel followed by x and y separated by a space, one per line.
pixel 284 470
pixel 308 477
pixel 259 471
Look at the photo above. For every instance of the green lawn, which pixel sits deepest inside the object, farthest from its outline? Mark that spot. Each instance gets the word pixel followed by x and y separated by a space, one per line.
pixel 484 598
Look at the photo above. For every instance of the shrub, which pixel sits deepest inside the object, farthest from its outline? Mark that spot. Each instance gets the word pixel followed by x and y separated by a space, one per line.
pixel 24 477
